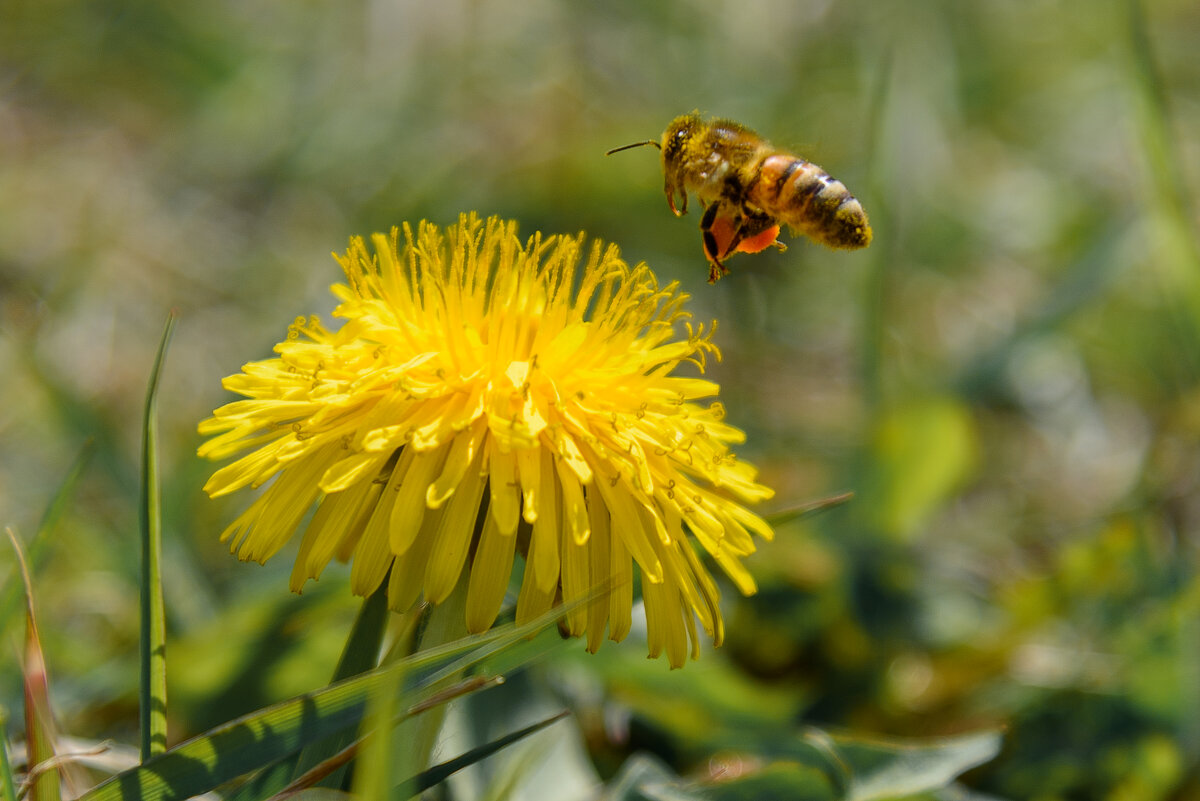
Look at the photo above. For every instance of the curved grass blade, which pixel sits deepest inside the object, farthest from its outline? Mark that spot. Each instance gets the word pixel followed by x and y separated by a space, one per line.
pixel 268 735
pixel 39 724
pixel 245 744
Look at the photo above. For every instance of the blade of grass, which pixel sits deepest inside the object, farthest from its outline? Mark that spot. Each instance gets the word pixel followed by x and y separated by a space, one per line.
pixel 439 773
pixel 372 773
pixel 505 784
pixel 318 773
pixel 153 684
pixel 875 281
pixel 1161 150
pixel 360 654
pixel 513 654
pixel 39 725
pixel 265 736
pixel 6 774
pixel 1175 236
pixel 808 509
pixel 244 744
pixel 444 623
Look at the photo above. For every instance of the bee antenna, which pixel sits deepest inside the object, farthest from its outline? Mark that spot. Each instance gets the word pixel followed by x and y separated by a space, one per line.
pixel 635 144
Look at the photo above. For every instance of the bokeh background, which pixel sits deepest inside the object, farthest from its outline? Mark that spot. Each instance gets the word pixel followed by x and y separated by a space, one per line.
pixel 1007 379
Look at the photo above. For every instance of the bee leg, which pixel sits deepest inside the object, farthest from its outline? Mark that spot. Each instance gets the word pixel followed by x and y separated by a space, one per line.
pixel 712 250
pixel 671 189
pixel 739 233
pixel 753 226
pixel 715 270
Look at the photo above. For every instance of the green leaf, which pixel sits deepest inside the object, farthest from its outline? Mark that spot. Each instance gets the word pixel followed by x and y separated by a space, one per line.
pixel 879 769
pixel 153 635
pixel 794 781
pixel 818 767
pixel 645 777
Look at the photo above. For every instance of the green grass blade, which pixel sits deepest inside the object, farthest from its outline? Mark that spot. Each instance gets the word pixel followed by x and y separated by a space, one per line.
pixel 7 785
pixel 439 773
pixel 1178 248
pixel 335 762
pixel 361 653
pixel 266 783
pixel 373 770
pixel 880 255
pixel 809 509
pixel 443 623
pixel 268 735
pixel 153 684
pixel 1160 148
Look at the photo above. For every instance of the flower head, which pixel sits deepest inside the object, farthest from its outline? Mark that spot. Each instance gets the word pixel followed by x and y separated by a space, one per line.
pixel 476 403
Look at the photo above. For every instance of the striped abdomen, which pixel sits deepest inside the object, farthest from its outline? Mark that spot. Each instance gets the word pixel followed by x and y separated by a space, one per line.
pixel 802 195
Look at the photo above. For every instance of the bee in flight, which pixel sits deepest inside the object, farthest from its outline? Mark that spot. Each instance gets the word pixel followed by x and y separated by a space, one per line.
pixel 749 188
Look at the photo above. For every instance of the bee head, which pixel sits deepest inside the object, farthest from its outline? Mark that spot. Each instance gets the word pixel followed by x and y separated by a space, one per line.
pixel 675 143
pixel 677 136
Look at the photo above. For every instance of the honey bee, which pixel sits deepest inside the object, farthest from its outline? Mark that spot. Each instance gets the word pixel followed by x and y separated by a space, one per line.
pixel 749 188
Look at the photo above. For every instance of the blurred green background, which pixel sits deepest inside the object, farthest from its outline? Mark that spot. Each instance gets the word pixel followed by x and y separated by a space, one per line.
pixel 1008 379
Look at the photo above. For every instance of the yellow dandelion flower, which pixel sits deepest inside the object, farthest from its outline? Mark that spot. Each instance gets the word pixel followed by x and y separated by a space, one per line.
pixel 476 404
